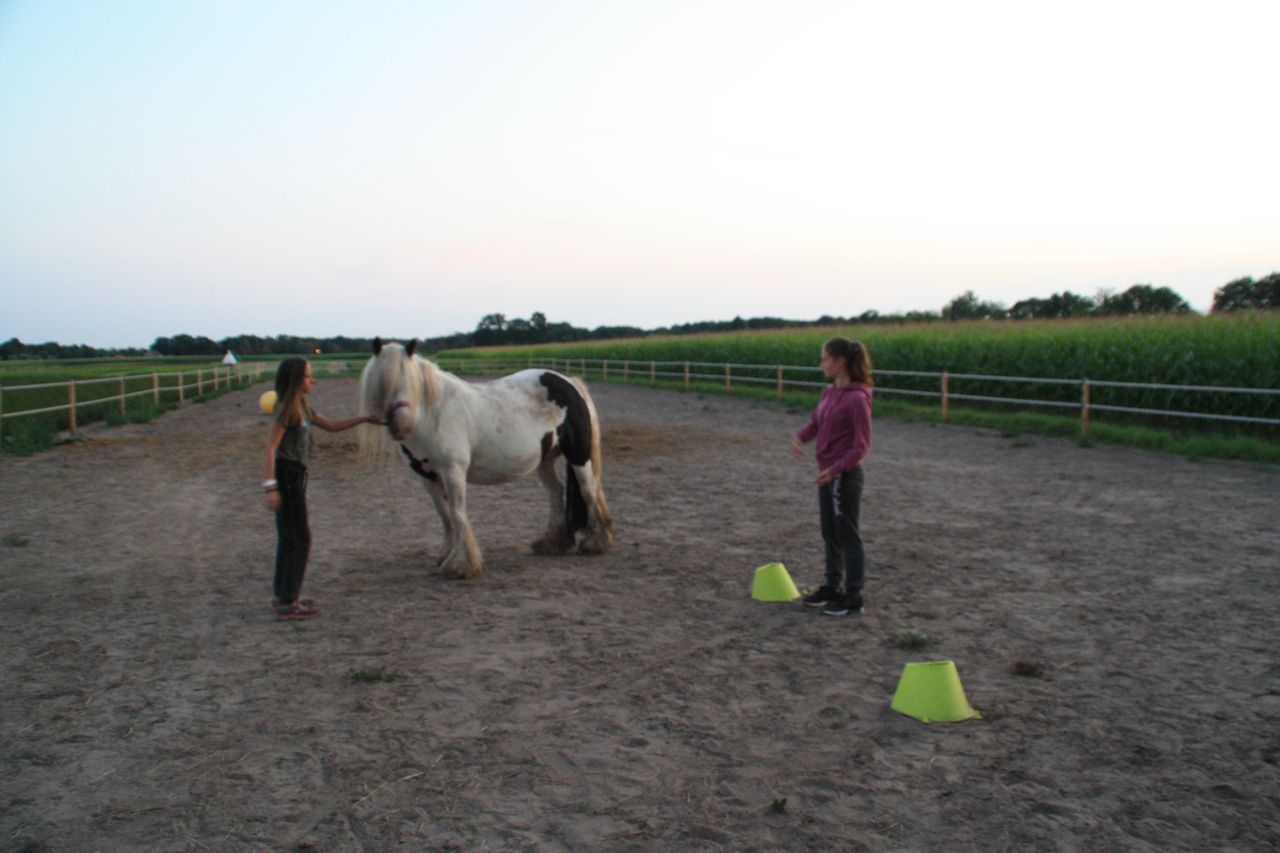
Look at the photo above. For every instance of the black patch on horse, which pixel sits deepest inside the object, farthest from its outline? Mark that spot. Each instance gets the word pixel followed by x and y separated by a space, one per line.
pixel 575 432
pixel 418 467
pixel 575 442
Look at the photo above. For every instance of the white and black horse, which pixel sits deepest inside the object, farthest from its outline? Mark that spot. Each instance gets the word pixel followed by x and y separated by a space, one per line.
pixel 453 432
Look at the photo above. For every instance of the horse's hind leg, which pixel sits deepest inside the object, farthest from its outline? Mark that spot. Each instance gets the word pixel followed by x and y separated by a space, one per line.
pixel 463 559
pixel 558 538
pixel 599 536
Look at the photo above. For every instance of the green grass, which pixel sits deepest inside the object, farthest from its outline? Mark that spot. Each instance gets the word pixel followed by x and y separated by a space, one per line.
pixel 373 675
pixel 910 641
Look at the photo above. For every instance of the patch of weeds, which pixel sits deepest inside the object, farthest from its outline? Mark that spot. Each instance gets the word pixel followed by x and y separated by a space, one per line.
pixel 779 806
pixel 911 641
pixel 13 540
pixel 1028 668
pixel 1021 441
pixel 29 435
pixel 373 675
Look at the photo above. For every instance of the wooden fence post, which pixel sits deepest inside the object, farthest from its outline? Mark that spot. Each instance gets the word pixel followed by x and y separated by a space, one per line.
pixel 728 385
pixel 686 376
pixel 155 387
pixel 653 372
pixel 604 370
pixel 779 381
pixel 1084 409
pixel 72 411
pixel 626 370
pixel 944 396
pixel 122 411
pixel 181 390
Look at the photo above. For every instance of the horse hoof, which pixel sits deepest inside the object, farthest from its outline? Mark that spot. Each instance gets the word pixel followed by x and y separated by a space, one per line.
pixel 597 543
pixel 552 546
pixel 460 571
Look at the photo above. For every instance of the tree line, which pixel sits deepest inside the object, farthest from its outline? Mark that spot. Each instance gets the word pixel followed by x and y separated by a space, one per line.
pixel 496 329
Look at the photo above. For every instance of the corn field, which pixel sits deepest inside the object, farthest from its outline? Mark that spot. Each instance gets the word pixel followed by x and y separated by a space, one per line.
pixel 1239 350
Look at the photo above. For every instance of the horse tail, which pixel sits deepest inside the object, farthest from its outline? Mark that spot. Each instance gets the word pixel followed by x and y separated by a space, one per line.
pixel 597 457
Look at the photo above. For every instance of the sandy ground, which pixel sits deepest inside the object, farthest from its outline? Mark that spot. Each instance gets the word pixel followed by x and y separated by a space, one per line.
pixel 641 700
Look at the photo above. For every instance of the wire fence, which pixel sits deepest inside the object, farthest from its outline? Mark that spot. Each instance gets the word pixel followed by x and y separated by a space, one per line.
pixel 1085 397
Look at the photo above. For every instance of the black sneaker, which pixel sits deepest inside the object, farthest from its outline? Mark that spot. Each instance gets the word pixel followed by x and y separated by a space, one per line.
pixel 820 597
pixel 843 604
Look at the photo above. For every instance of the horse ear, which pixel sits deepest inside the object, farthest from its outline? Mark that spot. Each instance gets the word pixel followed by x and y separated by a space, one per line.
pixel 413 344
pixel 377 345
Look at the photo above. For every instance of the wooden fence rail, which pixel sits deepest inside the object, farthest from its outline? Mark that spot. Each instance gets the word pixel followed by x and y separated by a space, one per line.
pixel 776 375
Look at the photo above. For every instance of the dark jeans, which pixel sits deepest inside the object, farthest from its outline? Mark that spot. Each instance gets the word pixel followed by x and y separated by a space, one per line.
pixel 293 533
pixel 838 502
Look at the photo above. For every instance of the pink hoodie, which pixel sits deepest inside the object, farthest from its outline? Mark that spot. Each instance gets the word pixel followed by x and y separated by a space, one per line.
pixel 842 425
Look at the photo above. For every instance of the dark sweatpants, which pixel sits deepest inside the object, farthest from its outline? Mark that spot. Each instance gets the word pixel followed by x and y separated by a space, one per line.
pixel 838 502
pixel 293 533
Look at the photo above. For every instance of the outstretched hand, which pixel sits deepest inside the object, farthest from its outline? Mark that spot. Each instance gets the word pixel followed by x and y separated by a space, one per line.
pixel 824 478
pixel 797 448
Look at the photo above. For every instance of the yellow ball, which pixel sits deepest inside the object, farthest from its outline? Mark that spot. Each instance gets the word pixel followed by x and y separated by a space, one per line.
pixel 267 402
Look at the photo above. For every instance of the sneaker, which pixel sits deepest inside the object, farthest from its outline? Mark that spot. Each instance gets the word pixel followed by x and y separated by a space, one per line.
pixel 305 602
pixel 820 597
pixel 290 612
pixel 843 604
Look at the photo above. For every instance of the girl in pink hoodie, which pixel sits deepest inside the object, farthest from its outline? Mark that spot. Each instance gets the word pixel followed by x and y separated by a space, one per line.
pixel 842 426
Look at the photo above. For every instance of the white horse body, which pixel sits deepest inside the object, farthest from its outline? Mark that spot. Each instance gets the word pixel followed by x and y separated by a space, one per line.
pixel 456 432
pixel 461 428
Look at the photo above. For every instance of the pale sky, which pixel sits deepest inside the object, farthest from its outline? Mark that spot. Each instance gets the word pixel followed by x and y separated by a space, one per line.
pixel 403 168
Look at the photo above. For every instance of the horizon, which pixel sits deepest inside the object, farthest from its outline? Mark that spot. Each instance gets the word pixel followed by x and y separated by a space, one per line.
pixel 404 169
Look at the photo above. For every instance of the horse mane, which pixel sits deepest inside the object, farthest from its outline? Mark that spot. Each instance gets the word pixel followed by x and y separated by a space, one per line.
pixel 416 377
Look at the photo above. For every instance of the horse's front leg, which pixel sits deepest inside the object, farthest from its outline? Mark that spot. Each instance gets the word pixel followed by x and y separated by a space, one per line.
pixel 435 488
pixel 463 559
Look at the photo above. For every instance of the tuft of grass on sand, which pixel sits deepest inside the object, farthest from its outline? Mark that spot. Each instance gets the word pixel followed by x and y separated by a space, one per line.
pixel 1027 668
pixel 911 641
pixel 373 675
pixel 779 806
pixel 13 540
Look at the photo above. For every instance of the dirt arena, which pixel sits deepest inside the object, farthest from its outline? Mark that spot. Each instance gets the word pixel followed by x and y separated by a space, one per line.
pixel 641 700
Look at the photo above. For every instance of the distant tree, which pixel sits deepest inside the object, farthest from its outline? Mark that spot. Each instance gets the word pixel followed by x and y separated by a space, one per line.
pixel 1143 299
pixel 1244 293
pixel 1066 304
pixel 967 306
pixel 12 348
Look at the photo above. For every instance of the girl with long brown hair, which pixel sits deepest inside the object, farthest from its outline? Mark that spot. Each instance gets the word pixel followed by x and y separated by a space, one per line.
pixel 285 481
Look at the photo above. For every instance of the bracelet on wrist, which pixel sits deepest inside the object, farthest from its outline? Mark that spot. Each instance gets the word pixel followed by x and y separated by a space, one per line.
pixel 269 485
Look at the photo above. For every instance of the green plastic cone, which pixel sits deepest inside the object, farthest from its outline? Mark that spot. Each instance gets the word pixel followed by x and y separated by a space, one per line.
pixel 772 583
pixel 930 692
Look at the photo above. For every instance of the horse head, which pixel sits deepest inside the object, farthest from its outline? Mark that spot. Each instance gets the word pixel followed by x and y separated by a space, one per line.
pixel 392 386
